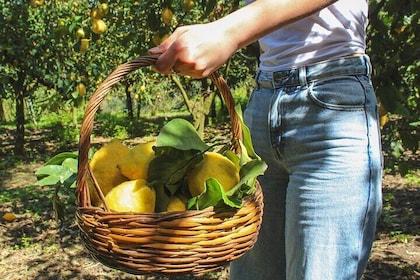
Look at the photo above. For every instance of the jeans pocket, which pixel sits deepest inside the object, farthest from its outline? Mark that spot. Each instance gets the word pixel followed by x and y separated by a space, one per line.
pixel 346 93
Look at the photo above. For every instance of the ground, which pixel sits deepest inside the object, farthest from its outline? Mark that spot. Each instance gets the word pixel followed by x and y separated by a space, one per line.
pixel 37 246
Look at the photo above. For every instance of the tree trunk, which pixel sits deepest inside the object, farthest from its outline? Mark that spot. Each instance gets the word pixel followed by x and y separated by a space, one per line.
pixel 20 124
pixel 129 102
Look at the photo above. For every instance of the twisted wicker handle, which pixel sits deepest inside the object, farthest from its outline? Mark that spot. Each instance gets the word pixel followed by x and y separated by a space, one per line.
pixel 99 95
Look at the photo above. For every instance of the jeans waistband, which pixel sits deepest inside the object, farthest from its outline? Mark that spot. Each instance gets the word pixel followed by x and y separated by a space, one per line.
pixel 350 65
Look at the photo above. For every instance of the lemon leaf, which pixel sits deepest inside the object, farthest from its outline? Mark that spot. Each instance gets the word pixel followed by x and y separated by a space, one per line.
pixel 213 195
pixel 167 171
pixel 180 134
pixel 59 158
pixel 248 173
pixel 246 134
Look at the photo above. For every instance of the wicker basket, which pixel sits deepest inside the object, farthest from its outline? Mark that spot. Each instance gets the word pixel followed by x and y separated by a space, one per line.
pixel 189 242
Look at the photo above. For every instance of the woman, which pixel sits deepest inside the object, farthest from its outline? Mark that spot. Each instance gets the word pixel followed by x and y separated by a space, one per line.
pixel 313 119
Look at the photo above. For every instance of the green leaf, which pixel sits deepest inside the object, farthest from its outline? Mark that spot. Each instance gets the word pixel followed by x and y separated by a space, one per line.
pixel 246 134
pixel 49 181
pixel 51 170
pixel 248 174
pixel 180 134
pixel 54 174
pixel 178 148
pixel 167 171
pixel 213 195
pixel 169 165
pixel 70 164
pixel 59 158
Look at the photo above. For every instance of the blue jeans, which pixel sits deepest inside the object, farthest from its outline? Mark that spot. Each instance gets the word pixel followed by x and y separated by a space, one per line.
pixel 317 129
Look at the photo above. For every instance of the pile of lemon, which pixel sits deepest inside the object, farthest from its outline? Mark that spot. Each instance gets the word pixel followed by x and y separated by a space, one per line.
pixel 122 175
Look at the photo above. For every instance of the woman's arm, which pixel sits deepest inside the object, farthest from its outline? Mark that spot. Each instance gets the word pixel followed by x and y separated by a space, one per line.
pixel 198 50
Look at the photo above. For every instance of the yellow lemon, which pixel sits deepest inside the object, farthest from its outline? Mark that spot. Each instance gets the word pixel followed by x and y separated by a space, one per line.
pixel 136 164
pixel 81 89
pixel 167 16
pixel 156 39
pixel 132 196
pixel 104 167
pixel 103 9
pixel 84 45
pixel 9 217
pixel 213 165
pixel 177 203
pixel 80 33
pixel 95 13
pixel 98 26
pixel 188 5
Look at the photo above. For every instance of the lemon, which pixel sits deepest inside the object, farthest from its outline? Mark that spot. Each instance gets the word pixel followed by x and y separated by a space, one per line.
pixel 81 89
pixel 95 13
pixel 84 45
pixel 98 26
pixel 188 5
pixel 167 16
pixel 80 33
pixel 136 164
pixel 9 217
pixel 213 165
pixel 103 9
pixel 132 196
pixel 104 167
pixel 156 39
pixel 176 203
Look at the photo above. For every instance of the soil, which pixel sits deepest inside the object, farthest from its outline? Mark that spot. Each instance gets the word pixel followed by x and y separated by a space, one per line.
pixel 38 246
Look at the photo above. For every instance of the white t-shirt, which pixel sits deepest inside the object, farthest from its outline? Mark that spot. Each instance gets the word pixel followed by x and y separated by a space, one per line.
pixel 335 31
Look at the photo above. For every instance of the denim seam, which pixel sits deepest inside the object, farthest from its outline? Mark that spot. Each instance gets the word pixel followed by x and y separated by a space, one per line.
pixel 275 145
pixel 370 183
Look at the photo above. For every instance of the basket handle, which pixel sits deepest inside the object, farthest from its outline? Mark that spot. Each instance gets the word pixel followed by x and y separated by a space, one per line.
pixel 99 95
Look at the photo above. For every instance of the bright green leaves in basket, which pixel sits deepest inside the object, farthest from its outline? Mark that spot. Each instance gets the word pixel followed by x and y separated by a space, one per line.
pixel 179 149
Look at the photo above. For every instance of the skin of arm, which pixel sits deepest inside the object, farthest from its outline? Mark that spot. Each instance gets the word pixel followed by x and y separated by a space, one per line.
pixel 198 50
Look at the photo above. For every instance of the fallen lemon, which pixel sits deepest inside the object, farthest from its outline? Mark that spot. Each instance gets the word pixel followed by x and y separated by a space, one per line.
pixel 132 196
pixel 104 167
pixel 9 217
pixel 136 164
pixel 213 165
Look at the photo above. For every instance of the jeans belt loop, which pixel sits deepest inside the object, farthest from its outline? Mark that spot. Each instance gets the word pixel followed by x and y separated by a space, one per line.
pixel 302 76
pixel 257 80
pixel 368 65
pixel 273 80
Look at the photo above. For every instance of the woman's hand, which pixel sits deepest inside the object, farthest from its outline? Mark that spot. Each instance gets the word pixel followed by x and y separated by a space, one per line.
pixel 195 50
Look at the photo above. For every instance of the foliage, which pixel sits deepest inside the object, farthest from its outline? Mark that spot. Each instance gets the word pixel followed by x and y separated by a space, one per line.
pixel 49 49
pixel 394 49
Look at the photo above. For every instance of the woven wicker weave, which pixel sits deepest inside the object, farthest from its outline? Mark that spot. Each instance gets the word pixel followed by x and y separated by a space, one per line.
pixel 189 242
